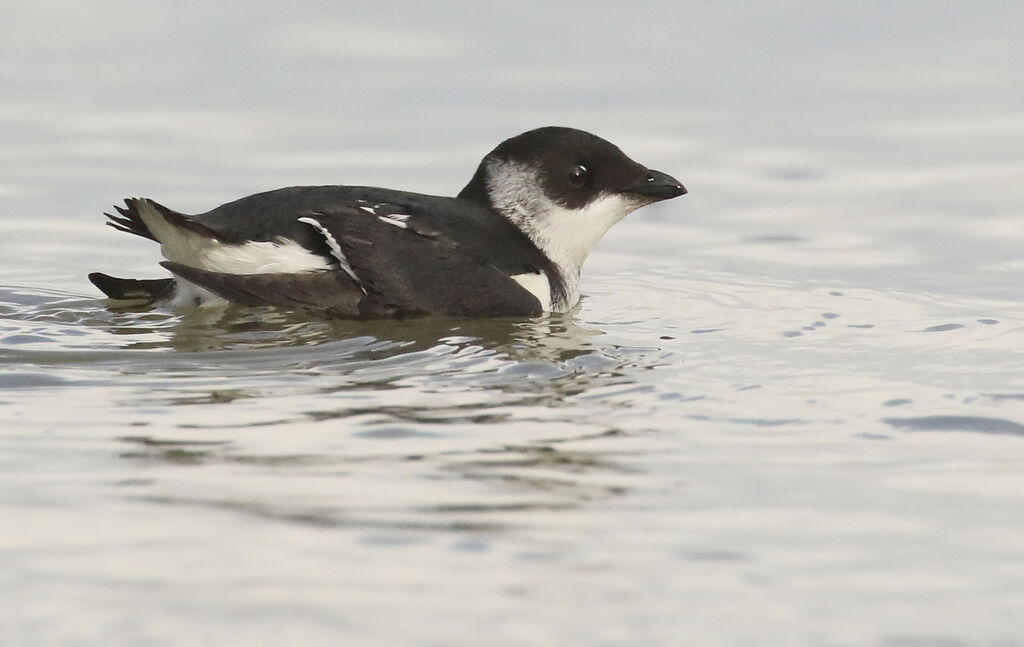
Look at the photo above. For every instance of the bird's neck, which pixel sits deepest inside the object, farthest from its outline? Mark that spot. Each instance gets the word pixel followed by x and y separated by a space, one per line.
pixel 564 235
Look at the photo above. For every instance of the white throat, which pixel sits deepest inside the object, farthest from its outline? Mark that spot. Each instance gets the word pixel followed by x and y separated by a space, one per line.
pixel 566 236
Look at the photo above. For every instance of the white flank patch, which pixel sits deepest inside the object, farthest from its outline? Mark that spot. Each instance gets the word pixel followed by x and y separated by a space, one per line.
pixel 189 248
pixel 282 256
pixel 536 284
pixel 566 236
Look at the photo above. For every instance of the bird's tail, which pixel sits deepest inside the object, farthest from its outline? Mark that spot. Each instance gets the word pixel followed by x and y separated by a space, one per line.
pixel 132 289
pixel 129 219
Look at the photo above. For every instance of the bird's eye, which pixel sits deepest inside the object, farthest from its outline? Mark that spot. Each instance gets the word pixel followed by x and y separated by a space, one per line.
pixel 578 176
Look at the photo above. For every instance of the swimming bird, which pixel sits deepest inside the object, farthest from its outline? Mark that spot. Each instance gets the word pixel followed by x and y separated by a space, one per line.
pixel 512 242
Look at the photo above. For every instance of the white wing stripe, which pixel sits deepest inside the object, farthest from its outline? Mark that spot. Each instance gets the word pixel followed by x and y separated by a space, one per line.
pixel 335 250
pixel 395 219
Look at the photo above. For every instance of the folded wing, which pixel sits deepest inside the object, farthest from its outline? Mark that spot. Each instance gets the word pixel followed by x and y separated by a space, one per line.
pixel 387 262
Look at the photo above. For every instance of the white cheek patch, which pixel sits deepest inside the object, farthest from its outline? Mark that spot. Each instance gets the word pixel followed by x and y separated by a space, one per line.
pixel 566 236
pixel 536 284
pixel 193 249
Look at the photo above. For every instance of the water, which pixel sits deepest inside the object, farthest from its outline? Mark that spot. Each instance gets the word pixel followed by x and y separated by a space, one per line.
pixel 790 410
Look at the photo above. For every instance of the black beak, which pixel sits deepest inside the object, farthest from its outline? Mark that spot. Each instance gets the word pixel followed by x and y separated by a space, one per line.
pixel 658 186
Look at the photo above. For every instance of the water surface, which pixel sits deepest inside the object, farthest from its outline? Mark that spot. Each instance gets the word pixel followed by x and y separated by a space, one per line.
pixel 790 410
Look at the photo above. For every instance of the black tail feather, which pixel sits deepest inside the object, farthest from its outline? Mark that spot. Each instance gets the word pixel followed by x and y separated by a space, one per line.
pixel 129 220
pixel 132 289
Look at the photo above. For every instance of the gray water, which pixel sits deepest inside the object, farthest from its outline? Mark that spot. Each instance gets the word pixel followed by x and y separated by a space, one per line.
pixel 790 410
